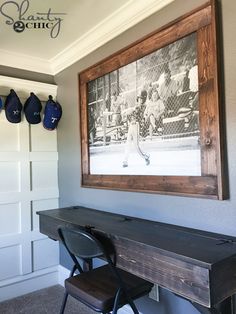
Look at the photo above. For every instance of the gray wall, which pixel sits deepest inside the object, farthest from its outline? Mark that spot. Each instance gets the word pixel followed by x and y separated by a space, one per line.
pixel 211 215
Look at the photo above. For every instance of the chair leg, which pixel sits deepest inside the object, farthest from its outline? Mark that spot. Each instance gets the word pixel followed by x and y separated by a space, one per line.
pixel 116 301
pixel 130 301
pixel 64 303
pixel 133 307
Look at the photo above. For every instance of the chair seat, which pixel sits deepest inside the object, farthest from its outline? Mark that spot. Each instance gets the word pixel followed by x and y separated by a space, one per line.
pixel 98 287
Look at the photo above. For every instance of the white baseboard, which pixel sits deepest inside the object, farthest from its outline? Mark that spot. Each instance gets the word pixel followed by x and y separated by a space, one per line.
pixel 37 280
pixel 63 273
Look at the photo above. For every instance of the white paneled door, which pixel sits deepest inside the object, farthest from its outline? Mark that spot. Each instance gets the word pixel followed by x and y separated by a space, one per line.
pixel 28 183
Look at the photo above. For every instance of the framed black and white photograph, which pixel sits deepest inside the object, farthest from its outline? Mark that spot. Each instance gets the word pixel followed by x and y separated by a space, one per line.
pixel 142 112
pixel 150 116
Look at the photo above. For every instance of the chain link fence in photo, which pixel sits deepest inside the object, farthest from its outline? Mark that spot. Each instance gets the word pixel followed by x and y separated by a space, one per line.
pixel 158 91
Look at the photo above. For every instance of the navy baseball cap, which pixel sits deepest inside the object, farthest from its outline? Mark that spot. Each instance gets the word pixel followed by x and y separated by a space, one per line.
pixel 52 114
pixel 13 107
pixel 32 109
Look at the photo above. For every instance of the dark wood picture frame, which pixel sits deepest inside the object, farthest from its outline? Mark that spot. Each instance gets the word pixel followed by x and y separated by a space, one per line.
pixel 209 184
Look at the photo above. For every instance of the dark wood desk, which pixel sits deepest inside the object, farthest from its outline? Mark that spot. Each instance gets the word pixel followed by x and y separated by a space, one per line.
pixel 199 266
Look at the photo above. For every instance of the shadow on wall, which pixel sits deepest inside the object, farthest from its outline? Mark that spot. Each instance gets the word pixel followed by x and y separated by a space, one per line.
pixel 169 304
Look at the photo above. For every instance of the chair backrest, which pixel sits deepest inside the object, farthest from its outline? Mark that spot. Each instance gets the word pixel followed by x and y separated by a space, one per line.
pixel 80 243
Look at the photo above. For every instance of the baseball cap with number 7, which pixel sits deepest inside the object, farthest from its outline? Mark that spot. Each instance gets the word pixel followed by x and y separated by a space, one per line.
pixel 52 114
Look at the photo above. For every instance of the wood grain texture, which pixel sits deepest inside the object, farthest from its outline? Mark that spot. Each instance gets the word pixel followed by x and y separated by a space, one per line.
pixel 191 186
pixel 198 265
pixel 210 109
pixel 84 129
pixel 220 126
pixel 189 280
pixel 211 183
pixel 209 115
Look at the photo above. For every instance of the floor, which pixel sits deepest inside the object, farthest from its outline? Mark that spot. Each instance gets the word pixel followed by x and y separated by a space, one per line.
pixel 45 301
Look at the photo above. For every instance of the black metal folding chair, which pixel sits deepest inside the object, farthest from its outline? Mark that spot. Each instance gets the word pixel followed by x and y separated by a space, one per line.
pixel 103 289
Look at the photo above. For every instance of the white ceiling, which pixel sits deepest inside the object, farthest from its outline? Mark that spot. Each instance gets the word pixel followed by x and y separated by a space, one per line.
pixel 86 25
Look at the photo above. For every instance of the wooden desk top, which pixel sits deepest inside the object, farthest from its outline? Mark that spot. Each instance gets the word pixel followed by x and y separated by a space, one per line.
pixel 200 247
pixel 187 261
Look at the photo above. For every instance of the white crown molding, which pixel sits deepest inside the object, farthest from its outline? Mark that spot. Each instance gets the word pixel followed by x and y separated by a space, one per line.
pixel 24 87
pixel 133 12
pixel 25 62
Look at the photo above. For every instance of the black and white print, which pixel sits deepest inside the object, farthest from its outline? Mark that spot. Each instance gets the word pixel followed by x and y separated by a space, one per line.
pixel 143 118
